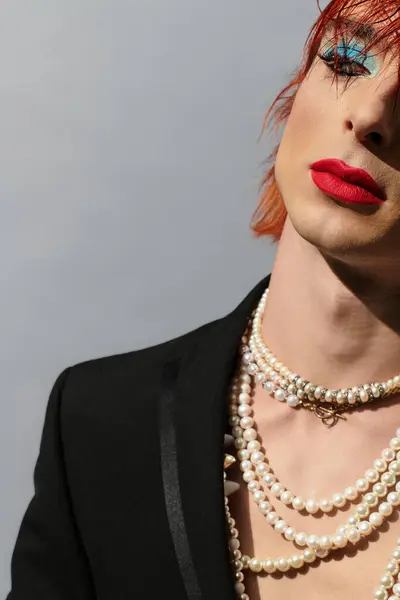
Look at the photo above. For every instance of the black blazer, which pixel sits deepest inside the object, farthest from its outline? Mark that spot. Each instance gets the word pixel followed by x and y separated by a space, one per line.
pixel 128 485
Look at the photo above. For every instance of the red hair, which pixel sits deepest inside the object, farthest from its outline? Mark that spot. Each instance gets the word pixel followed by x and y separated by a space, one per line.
pixel 270 214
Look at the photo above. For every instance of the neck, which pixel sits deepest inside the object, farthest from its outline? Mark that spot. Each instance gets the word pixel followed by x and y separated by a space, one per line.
pixel 332 326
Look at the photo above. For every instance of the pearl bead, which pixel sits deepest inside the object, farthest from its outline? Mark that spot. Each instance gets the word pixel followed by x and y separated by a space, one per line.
pixel 309 555
pixel 372 475
pixel 353 535
pixel 351 493
pixel 253 486
pixel 317 392
pixel 380 594
pixel 388 478
pixel 237 431
pixel 387 580
pixel 262 468
pixel 362 485
pixel 313 541
pixel 250 434
pixel 364 527
pixel 246 422
pixel 379 489
pixel 248 476
pixel 245 465
pixel 341 529
pixel 253 446
pixel 238 576
pixel 260 377
pixel 395 443
pixel 376 519
pixel 338 500
pixel 245 560
pixel 388 454
pixel 243 454
pixel 353 520
pixel 385 509
pixel 258 496
pixel 240 443
pixel 257 457
pixel 234 543
pixel 296 561
pixel 312 506
pixel 282 564
pixel 269 479
pixel 244 410
pixel 280 394
pixel 265 507
pixel 269 565
pixel 380 465
pixel 298 503
pixel 394 467
pixel 287 497
pixel 255 565
pixel 276 489
pixel 280 526
pixel 396 589
pixel 362 510
pixel 239 587
pixel 393 498
pixel 325 542
pixel 326 505
pixel 301 538
pixel 392 567
pixel 370 499
pixel 396 553
pixel 269 387
pixel 272 517
pixel 340 540
pixel 247 357
pixel 290 534
pixel 292 400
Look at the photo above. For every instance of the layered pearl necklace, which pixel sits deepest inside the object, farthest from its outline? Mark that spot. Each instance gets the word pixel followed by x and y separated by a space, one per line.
pixel 289 387
pixel 380 486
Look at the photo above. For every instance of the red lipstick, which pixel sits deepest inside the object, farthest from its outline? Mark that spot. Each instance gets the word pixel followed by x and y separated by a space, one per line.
pixel 335 178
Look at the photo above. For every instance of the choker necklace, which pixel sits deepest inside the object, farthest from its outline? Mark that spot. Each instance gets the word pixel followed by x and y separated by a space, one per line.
pixel 380 485
pixel 286 386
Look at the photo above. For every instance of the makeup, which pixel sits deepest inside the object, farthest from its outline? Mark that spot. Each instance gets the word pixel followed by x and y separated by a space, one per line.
pixel 349 184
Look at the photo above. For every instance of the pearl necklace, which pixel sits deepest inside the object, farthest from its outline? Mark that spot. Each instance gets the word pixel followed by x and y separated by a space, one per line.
pixel 360 524
pixel 289 387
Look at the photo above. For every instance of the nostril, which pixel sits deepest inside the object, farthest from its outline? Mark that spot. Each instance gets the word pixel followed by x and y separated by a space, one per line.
pixel 376 138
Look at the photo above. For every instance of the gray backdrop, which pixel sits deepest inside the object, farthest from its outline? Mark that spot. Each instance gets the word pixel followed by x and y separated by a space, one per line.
pixel 129 173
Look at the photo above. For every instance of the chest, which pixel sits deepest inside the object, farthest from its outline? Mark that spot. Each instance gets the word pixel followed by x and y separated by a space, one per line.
pixel 354 572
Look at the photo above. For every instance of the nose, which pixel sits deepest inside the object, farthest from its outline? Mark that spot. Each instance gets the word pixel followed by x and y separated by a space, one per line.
pixel 373 117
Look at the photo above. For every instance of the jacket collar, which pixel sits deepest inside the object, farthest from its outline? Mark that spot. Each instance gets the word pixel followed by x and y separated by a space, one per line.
pixel 192 421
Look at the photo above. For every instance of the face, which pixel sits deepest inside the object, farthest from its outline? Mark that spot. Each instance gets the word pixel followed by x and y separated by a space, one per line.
pixel 354 121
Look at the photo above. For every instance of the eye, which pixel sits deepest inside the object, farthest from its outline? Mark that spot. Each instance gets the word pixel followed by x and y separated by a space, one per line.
pixel 347 65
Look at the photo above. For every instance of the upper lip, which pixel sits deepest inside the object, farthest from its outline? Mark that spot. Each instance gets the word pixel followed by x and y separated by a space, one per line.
pixel 350 174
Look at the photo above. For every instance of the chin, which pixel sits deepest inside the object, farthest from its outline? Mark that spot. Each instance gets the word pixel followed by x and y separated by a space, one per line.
pixel 335 230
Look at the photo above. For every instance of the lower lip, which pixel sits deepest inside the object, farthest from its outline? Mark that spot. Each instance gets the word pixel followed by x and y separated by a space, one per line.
pixel 342 190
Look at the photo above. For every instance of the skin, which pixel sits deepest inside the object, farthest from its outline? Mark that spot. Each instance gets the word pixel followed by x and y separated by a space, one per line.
pixel 336 276
pixel 332 316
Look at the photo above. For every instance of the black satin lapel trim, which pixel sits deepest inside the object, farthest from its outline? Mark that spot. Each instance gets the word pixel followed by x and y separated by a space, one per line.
pixel 172 495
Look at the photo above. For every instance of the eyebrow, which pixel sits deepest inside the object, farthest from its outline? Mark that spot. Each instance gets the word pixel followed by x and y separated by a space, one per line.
pixel 364 31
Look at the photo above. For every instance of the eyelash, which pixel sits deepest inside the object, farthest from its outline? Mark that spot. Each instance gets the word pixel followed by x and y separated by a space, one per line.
pixel 347 62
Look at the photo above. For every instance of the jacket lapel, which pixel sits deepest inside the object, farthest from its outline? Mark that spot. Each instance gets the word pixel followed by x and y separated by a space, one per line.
pixel 192 421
